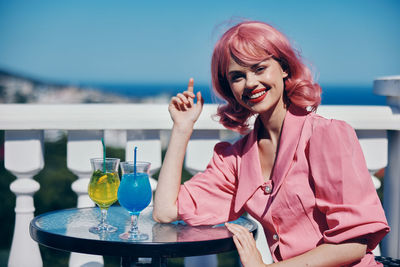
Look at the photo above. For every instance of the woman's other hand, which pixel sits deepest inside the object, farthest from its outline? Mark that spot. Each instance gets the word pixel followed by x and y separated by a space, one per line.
pixel 184 112
pixel 246 246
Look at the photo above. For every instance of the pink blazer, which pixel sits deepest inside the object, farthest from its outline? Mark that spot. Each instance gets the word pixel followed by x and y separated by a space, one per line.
pixel 320 190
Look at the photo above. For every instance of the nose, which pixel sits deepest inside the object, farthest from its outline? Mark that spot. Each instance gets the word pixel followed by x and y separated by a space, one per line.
pixel 251 80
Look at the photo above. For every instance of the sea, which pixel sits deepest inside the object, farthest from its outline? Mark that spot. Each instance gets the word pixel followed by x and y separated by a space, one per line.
pixel 331 94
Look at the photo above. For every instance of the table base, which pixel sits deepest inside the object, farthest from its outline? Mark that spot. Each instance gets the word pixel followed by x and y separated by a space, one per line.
pixel 134 262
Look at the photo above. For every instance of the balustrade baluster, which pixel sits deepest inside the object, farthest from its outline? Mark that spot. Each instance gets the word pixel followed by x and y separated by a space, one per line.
pixel 198 153
pixel 149 149
pixel 81 147
pixel 390 87
pixel 200 149
pixel 23 151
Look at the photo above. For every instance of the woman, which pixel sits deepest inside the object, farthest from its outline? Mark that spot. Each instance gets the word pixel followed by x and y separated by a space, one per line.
pixel 302 176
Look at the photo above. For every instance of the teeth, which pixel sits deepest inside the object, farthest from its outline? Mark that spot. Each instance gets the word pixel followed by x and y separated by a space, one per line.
pixel 256 95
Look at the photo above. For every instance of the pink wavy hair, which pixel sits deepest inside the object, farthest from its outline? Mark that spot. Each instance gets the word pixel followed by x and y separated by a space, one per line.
pixel 248 43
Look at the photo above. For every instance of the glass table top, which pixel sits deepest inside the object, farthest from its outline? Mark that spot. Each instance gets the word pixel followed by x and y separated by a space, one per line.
pixel 69 230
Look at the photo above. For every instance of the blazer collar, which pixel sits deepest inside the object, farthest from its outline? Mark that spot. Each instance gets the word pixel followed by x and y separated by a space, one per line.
pixel 290 137
pixel 249 174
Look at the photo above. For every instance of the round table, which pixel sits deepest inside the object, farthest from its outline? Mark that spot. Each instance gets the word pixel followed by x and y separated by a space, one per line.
pixel 69 230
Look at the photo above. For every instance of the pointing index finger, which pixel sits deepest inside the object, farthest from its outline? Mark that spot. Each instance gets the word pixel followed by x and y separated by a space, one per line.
pixel 190 85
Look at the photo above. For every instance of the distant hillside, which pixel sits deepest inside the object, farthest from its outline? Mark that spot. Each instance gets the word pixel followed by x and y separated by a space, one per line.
pixel 17 88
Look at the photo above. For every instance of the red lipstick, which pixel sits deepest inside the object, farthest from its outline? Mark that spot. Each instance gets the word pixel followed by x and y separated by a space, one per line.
pixel 257 95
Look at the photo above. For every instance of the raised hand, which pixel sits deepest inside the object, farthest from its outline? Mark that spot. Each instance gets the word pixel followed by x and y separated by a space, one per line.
pixel 246 246
pixel 184 112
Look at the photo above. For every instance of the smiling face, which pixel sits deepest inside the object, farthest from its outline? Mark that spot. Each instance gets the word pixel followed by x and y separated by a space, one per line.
pixel 258 87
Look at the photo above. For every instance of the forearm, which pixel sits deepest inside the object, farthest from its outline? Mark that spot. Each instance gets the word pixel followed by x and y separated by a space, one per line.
pixel 327 255
pixel 169 180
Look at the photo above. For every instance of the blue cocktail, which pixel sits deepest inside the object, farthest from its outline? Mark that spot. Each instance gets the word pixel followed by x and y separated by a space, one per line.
pixel 134 194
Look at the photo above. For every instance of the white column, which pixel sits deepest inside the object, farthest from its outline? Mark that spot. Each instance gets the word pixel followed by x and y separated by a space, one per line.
pixel 198 153
pixel 200 149
pixel 390 87
pixel 24 159
pixel 148 145
pixel 81 147
pixel 374 144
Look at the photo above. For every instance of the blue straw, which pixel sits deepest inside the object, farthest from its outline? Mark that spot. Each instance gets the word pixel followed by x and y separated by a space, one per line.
pixel 134 161
pixel 104 155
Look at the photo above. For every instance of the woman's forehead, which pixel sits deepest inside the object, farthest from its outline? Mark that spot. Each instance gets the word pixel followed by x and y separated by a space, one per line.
pixel 240 64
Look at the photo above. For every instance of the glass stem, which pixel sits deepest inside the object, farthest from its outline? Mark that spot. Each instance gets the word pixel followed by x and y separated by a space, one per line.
pixel 103 217
pixel 134 221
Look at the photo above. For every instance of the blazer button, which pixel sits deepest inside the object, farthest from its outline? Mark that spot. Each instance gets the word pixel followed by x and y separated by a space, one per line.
pixel 268 189
pixel 275 237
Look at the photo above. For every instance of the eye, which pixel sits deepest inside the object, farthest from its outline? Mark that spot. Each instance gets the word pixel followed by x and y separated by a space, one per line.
pixel 236 77
pixel 260 69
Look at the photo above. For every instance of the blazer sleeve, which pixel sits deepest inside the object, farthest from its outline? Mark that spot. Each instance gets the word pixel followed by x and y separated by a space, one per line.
pixel 343 186
pixel 208 197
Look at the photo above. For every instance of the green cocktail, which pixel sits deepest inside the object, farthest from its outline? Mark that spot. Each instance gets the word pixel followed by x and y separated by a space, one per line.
pixel 103 188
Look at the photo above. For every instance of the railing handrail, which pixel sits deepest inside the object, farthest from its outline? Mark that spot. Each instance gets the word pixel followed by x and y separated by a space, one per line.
pixel 156 117
pixel 363 117
pixel 94 117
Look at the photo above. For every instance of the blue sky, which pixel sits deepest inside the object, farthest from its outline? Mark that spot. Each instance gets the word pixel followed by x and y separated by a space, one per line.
pixel 347 42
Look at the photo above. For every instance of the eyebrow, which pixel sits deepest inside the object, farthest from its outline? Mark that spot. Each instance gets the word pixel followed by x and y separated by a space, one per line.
pixel 233 72
pixel 254 66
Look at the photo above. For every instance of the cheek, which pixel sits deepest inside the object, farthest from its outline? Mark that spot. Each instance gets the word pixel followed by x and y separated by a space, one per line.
pixel 277 79
pixel 237 93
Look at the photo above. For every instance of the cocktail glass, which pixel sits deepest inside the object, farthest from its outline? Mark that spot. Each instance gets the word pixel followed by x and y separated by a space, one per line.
pixel 134 194
pixel 103 189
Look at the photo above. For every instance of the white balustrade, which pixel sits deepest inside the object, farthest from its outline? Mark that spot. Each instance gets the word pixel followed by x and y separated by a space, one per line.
pixel 81 147
pixel 377 127
pixel 374 144
pixel 199 152
pixel 390 87
pixel 23 151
